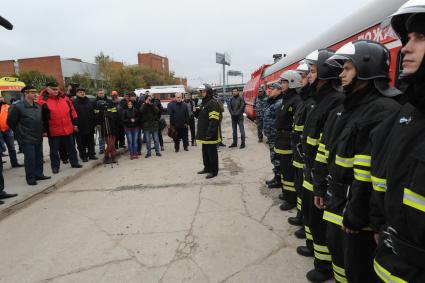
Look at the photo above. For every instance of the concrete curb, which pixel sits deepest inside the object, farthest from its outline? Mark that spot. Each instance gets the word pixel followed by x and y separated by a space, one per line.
pixel 38 193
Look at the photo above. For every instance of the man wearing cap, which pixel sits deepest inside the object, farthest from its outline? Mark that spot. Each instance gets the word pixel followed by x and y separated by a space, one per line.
pixel 398 167
pixel 85 122
pixel 25 119
pixel 60 122
pixel 274 102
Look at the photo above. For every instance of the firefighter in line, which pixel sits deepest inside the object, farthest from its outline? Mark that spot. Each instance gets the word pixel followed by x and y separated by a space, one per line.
pixel 274 102
pixel 208 132
pixel 323 79
pixel 290 82
pixel 398 162
pixel 300 116
pixel 260 104
pixel 342 184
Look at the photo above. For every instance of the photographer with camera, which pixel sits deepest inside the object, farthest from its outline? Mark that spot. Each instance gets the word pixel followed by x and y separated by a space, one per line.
pixel 107 117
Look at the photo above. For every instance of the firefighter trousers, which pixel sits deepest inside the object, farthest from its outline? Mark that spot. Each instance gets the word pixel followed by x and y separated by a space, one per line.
pixel 335 243
pixel 315 224
pixel 359 250
pixel 298 181
pixel 288 178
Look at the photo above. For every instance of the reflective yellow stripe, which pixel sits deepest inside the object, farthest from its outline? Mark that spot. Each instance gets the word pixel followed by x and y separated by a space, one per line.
pixel 112 110
pixel 338 269
pixel 208 142
pixel 379 185
pixel 308 185
pixel 308 236
pixel 307 229
pixel 96 111
pixel 385 275
pixel 339 278
pixel 312 141
pixel 299 200
pixel 288 183
pixel 283 151
pixel 299 206
pixel 214 113
pixel 322 148
pixel 289 188
pixel 332 217
pixel 346 162
pixel 297 164
pixel 320 248
pixel 321 158
pixel 325 257
pixel 299 128
pixel 362 175
pixel 414 200
pixel 362 160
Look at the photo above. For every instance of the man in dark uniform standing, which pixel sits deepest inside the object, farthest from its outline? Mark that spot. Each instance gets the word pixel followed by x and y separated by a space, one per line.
pixel 398 167
pixel 208 133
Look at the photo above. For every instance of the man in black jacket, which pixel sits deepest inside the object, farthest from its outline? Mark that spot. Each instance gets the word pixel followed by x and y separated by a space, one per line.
pixel 85 135
pixel 179 119
pixel 236 109
pixel 25 119
pixel 149 114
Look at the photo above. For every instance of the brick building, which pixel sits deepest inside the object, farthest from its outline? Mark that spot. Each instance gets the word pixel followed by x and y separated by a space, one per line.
pixel 153 61
pixel 59 68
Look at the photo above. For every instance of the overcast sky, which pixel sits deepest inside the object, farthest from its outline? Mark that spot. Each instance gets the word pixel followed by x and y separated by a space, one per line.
pixel 188 32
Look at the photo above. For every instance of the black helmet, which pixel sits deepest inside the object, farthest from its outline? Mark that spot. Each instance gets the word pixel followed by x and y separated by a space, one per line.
pixel 403 18
pixel 324 71
pixel 207 88
pixel 371 59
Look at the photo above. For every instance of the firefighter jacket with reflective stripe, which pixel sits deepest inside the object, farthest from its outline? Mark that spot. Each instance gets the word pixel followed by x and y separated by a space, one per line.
pixel 326 99
pixel 269 118
pixel 208 121
pixel 284 121
pixel 107 116
pixel 398 176
pixel 342 165
pixel 300 117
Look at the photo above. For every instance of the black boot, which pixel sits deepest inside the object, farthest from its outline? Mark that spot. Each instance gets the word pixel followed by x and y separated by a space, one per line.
pixel 271 181
pixel 319 276
pixel 277 183
pixel 297 220
pixel 233 145
pixel 242 145
pixel 286 206
pixel 305 251
pixel 300 233
pixel 281 196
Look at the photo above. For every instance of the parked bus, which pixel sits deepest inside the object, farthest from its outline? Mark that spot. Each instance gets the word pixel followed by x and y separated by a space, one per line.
pixel 10 88
pixel 162 92
pixel 364 24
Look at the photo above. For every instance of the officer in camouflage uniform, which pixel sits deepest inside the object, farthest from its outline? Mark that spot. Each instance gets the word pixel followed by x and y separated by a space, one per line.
pixel 260 105
pixel 274 102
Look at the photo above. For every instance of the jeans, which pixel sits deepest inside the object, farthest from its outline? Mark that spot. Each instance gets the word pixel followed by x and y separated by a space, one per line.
pixel 101 140
pixel 132 135
pixel 148 141
pixel 139 141
pixel 33 160
pixel 54 143
pixel 10 143
pixel 238 121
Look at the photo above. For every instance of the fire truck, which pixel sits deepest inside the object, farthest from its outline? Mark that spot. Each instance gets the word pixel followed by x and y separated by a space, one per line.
pixel 363 24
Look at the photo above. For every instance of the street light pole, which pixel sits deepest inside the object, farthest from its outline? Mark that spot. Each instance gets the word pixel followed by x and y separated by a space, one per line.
pixel 224 79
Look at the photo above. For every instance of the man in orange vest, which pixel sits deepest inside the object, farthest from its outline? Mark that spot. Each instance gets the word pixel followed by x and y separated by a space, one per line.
pixel 7 133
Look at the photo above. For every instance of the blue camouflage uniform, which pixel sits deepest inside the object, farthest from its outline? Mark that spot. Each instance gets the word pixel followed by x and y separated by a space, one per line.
pixel 260 105
pixel 269 120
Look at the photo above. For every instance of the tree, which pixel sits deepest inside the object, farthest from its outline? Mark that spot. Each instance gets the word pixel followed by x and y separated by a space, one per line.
pixel 37 79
